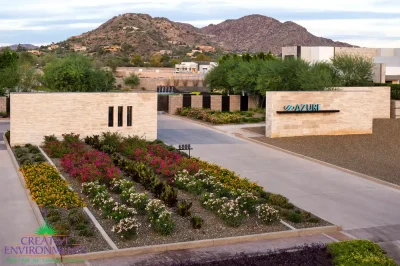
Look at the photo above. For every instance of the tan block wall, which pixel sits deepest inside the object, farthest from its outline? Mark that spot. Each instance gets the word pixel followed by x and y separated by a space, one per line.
pixel 395 109
pixel 253 102
pixel 81 113
pixel 197 101
pixel 3 104
pixel 365 52
pixel 216 102
pixel 355 116
pixel 379 72
pixel 381 104
pixel 175 102
pixel 234 103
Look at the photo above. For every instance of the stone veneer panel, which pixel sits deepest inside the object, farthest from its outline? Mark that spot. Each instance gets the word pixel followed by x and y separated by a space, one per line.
pixel 234 103
pixel 216 102
pixel 3 104
pixel 380 104
pixel 175 102
pixel 81 113
pixel 395 109
pixel 197 101
pixel 355 116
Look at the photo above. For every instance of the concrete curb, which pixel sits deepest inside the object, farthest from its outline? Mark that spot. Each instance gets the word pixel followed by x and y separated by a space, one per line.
pixel 370 178
pixel 88 212
pixel 203 243
pixel 34 206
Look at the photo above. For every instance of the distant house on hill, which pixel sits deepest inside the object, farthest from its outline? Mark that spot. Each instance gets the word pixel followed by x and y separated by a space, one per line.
pixel 79 48
pixel 112 48
pixel 206 49
pixel 35 52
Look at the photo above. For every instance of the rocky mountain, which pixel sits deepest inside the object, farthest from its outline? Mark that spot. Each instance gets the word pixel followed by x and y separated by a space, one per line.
pixel 257 33
pixel 26 46
pixel 145 34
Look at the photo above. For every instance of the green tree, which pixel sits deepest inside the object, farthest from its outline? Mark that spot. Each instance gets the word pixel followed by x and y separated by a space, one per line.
pixel 28 78
pixel 165 58
pixel 26 58
pixel 132 81
pixel 203 58
pixel 175 62
pixel 76 72
pixel 137 60
pixel 155 60
pixel 354 70
pixel 9 76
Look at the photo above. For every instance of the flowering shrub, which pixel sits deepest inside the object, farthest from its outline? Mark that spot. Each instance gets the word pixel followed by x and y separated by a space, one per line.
pixel 159 217
pixel 246 200
pixel 211 202
pixel 118 185
pixel 47 188
pixel 90 166
pixel 231 213
pixel 126 194
pixel 93 188
pixel 121 211
pixel 267 214
pixel 163 161
pixel 126 228
pixel 139 201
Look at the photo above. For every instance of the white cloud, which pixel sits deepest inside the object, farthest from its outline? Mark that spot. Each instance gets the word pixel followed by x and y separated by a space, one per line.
pixel 202 23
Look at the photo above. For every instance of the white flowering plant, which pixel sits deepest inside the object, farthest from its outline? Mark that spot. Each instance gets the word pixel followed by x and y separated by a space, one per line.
pixel 126 194
pixel 138 201
pixel 126 228
pixel 93 188
pixel 267 214
pixel 118 185
pixel 181 179
pixel 160 219
pixel 121 211
pixel 231 213
pixel 246 200
pixel 211 202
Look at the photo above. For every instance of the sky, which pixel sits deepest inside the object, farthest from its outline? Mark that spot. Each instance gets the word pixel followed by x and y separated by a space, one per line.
pixel 366 23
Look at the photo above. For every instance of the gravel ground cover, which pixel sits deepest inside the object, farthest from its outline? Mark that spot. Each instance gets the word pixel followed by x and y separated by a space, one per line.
pixel 376 155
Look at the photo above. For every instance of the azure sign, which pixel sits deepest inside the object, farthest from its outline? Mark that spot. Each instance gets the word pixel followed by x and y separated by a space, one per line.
pixel 305 108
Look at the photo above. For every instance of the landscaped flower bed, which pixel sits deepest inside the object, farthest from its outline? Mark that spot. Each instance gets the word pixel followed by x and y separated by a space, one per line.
pixel 218 117
pixel 61 208
pixel 162 196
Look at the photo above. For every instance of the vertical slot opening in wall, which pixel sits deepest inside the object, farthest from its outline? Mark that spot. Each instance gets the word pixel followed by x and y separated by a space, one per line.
pixel 111 116
pixel 120 113
pixel 129 116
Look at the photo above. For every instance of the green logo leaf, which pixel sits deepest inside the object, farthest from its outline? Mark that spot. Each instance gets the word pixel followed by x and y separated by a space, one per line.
pixel 45 229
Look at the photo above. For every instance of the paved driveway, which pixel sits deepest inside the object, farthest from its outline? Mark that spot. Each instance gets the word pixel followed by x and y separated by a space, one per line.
pixel 333 195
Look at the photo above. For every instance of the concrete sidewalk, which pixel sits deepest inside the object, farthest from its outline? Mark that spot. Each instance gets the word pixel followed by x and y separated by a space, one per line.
pixel 16 215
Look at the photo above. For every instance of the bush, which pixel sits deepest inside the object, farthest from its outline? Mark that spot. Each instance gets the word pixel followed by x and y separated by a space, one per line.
pixel 184 208
pixel 77 216
pixel 231 213
pixel 126 228
pixel 160 219
pixel 132 81
pixel 196 221
pixel 278 200
pixel 294 217
pixel 359 252
pixel 267 214
pixel 138 201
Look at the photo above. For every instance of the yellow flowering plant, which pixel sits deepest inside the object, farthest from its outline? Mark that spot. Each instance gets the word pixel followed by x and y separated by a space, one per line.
pixel 47 188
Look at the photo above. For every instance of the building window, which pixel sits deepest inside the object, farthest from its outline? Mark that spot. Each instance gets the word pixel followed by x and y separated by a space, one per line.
pixel 120 113
pixel 129 116
pixel 111 116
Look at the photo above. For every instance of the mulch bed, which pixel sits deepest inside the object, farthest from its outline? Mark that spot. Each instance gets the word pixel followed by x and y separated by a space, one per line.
pixel 376 155
pixel 213 227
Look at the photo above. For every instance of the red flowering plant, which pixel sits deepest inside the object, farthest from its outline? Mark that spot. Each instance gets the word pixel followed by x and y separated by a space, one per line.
pixel 90 166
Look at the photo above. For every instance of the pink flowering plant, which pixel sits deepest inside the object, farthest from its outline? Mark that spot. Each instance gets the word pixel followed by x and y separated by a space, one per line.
pixel 231 213
pixel 90 166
